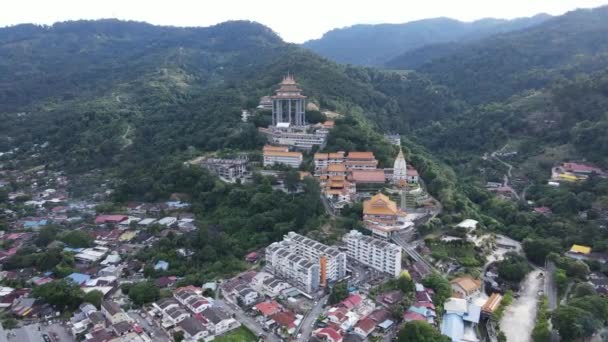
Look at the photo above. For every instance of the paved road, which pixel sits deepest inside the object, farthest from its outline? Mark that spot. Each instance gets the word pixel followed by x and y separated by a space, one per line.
pixel 309 319
pixel 550 288
pixel 402 240
pixel 246 320
pixel 27 333
pixel 328 209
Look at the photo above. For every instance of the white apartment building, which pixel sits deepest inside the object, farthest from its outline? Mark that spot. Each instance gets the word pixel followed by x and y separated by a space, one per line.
pixel 302 272
pixel 380 255
pixel 335 261
pixel 292 159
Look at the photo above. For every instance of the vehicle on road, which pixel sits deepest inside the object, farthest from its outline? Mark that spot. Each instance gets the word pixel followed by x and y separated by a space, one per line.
pixel 46 338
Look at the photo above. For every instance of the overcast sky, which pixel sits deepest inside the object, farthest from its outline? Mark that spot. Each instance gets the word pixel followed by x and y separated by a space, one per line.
pixel 295 21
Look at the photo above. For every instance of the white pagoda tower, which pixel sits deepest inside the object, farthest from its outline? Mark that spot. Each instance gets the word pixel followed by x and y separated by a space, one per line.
pixel 400 170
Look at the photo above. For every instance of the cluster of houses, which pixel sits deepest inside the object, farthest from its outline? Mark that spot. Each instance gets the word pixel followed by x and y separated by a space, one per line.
pixel 187 311
pixel 574 172
pixel 110 323
pixel 463 311
pixel 258 292
pixel 193 314
pixel 355 315
pixel 100 267
pixel 45 197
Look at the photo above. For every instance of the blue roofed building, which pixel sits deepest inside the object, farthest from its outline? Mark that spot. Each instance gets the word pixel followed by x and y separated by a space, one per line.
pixel 452 326
pixel 35 224
pixel 460 319
pixel 78 278
pixel 177 204
pixel 73 250
pixel 161 265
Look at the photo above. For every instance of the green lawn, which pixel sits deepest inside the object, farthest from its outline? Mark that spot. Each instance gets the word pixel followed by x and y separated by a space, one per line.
pixel 241 334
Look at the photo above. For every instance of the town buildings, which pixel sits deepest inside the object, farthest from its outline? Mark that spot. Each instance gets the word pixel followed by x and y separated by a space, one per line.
pixel 302 272
pixel 584 253
pixel 465 287
pixel 277 155
pixel 573 172
pixel 306 263
pixel 229 169
pixel 460 319
pixel 380 255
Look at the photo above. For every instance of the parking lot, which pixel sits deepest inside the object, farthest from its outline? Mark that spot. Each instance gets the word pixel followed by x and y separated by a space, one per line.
pixel 37 333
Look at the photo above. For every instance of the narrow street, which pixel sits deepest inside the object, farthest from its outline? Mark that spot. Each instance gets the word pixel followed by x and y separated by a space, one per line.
pixel 308 321
pixel 550 289
pixel 328 208
pixel 159 333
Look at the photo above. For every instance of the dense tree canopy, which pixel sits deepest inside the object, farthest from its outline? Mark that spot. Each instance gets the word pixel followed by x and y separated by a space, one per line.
pixel 60 293
pixel 419 331
pixel 144 292
pixel 513 268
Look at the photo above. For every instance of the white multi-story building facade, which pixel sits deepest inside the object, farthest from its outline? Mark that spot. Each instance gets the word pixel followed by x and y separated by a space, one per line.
pixel 302 272
pixel 380 255
pixel 334 259
pixel 306 263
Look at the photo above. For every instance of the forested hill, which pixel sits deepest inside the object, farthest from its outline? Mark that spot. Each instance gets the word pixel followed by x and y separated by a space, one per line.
pixel 105 93
pixel 502 65
pixel 374 45
pixel 72 59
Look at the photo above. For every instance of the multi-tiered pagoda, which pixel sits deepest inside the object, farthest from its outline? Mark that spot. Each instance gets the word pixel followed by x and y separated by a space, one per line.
pixel 288 104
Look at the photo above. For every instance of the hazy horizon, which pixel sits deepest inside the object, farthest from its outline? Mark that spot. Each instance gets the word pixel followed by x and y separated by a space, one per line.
pixel 294 25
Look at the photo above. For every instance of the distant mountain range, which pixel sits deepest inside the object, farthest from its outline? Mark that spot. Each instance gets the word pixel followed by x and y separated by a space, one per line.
pixel 375 45
pixel 499 66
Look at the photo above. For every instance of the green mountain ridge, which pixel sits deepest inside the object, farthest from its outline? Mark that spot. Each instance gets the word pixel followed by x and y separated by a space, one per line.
pixel 497 67
pixel 98 91
pixel 374 45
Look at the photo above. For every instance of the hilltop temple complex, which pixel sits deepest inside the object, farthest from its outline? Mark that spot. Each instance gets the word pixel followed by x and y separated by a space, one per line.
pixel 289 126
